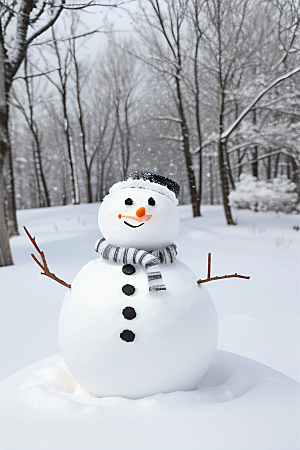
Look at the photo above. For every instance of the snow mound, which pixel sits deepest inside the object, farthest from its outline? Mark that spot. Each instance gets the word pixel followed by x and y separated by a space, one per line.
pixel 239 404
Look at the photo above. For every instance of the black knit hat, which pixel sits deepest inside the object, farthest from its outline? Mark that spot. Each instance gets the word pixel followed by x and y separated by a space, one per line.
pixel 154 178
pixel 151 181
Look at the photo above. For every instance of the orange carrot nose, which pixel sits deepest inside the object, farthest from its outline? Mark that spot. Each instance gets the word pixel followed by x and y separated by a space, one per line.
pixel 140 212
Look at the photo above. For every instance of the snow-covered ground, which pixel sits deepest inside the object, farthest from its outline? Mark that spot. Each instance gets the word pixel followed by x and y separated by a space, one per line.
pixel 258 319
pixel 238 405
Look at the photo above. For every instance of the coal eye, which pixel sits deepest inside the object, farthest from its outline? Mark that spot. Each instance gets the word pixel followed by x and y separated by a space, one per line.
pixel 151 201
pixel 128 201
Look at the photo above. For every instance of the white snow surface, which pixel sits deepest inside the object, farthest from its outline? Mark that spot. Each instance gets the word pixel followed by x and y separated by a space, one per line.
pixel 239 403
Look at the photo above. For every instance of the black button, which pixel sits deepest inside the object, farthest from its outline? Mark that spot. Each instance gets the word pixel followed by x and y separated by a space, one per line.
pixel 128 269
pixel 128 289
pixel 129 313
pixel 127 336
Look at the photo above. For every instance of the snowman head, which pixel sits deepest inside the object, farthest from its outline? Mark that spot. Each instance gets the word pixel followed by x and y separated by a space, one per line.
pixel 140 212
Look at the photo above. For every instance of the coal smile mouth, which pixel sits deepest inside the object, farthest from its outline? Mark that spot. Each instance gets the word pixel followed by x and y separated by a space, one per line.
pixel 133 226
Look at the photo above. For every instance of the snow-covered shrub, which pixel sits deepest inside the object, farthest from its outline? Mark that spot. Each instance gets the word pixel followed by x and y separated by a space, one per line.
pixel 276 195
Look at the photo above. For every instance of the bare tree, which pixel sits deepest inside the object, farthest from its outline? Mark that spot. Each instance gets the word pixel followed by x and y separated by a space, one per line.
pixel 104 158
pixel 12 53
pixel 112 87
pixel 29 115
pixel 64 58
pixel 163 38
pixel 225 41
pixel 17 18
pixel 79 80
pixel 197 31
pixel 96 103
pixel 121 68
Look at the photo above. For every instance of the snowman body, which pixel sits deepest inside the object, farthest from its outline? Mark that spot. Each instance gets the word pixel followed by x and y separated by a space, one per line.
pixel 117 336
pixel 175 331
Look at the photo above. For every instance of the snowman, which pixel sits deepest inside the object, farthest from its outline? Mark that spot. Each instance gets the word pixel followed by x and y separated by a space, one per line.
pixel 135 322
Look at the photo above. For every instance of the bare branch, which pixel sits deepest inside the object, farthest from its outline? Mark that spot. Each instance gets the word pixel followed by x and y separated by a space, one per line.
pixel 227 133
pixel 44 265
pixel 76 6
pixel 235 275
pixel 36 75
pixel 209 278
pixel 170 138
pixel 11 14
pixel 46 26
pixel 239 146
pixel 47 76
pixel 50 41
pixel 172 119
pixel 39 14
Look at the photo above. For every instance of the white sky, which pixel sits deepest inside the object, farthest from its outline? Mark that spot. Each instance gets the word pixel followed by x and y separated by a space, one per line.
pixel 117 19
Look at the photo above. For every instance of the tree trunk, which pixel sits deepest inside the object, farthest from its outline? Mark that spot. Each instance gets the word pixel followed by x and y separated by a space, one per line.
pixel 255 162
pixel 190 172
pixel 40 197
pixel 5 253
pixel 211 181
pixel 41 172
pixel 200 180
pixel 222 166
pixel 239 155
pixel 8 69
pixel 295 175
pixel 222 144
pixel 187 154
pixel 82 128
pixel 101 182
pixel 127 137
pixel 224 184
pixel 75 193
pixel 44 199
pixel 276 165
pixel 103 162
pixel 64 194
pixel 229 167
pixel 12 224
pixel 122 139
pixel 288 167
pixel 269 168
pixel 198 122
pixel 295 170
pixel 240 165
pixel 87 171
pixel 255 152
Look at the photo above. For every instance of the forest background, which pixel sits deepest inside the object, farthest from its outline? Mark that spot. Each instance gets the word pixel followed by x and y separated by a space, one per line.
pixel 201 91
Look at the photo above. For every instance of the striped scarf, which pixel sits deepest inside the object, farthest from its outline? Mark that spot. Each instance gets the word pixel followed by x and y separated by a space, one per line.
pixel 149 260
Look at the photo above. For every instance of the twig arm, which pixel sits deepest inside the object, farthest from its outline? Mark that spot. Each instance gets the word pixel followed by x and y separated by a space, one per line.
pixel 43 265
pixel 208 266
pixel 235 275
pixel 55 278
pixel 209 278
pixel 37 261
